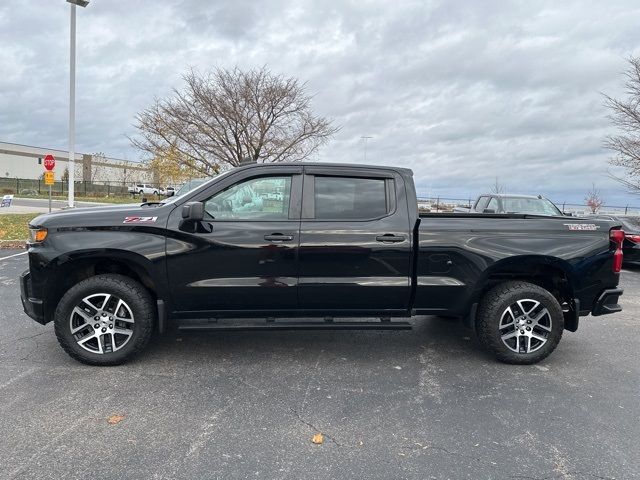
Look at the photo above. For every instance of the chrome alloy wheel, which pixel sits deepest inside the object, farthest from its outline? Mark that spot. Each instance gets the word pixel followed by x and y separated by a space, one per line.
pixel 101 323
pixel 525 326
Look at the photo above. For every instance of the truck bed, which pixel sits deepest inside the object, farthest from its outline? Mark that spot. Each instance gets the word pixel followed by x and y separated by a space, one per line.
pixel 458 253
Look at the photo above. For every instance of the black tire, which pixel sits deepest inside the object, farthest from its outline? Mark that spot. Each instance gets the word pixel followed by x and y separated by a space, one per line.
pixel 137 299
pixel 491 309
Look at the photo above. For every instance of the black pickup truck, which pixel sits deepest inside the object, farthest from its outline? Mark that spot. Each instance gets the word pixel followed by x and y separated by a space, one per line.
pixel 313 242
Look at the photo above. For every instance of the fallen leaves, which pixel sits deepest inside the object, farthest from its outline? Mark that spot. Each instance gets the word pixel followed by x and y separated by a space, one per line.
pixel 318 439
pixel 115 419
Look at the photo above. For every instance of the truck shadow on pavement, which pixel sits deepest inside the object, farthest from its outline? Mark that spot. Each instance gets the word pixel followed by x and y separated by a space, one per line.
pixel 442 337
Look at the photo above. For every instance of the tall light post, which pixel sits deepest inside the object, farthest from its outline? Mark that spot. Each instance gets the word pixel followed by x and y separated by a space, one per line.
pixel 364 139
pixel 72 97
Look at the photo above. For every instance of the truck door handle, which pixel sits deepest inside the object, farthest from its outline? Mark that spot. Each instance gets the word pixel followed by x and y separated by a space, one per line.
pixel 278 237
pixel 391 238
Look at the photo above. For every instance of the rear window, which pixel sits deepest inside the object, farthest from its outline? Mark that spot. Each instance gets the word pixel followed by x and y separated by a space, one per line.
pixel 349 198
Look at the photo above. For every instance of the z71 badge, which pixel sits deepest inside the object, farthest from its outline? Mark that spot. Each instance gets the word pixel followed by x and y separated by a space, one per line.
pixel 140 219
pixel 582 226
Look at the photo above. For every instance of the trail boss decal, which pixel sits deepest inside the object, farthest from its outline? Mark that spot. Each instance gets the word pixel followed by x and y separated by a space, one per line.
pixel 140 219
pixel 582 226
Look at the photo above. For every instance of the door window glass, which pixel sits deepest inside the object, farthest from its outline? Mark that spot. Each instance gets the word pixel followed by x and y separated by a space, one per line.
pixel 481 204
pixel 493 205
pixel 349 198
pixel 262 198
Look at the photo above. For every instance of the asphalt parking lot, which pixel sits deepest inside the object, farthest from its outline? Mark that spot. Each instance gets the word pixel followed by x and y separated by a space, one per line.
pixel 420 404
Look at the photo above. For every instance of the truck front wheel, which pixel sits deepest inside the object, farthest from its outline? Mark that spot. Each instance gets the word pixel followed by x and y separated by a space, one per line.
pixel 104 320
pixel 519 322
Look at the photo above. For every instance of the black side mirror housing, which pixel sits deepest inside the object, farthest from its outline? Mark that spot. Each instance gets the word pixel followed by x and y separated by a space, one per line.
pixel 192 215
pixel 193 211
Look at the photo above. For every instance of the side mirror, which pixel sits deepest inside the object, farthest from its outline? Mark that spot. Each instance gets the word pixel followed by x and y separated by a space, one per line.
pixel 488 210
pixel 192 215
pixel 193 211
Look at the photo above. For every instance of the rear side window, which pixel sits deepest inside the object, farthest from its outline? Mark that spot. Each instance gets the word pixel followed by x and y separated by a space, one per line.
pixel 350 198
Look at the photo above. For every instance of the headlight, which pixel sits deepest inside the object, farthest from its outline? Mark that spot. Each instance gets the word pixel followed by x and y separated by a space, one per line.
pixel 37 235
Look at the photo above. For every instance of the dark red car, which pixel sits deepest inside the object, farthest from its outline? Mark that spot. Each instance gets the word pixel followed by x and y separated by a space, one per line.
pixel 631 245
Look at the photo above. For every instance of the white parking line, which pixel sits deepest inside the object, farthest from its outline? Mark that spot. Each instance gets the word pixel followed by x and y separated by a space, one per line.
pixel 11 256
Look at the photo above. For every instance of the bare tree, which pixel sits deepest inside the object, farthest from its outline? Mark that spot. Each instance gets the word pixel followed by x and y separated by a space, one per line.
pixel 594 199
pixel 625 115
pixel 497 187
pixel 226 116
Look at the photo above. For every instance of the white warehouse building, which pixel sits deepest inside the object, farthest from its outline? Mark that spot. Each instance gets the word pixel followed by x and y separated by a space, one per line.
pixel 25 162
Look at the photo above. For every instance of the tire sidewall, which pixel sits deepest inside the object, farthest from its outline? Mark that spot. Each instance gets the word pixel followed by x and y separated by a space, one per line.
pixel 139 305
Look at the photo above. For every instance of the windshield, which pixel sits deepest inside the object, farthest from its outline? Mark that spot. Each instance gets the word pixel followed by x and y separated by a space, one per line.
pixel 186 188
pixel 631 224
pixel 532 206
pixel 190 185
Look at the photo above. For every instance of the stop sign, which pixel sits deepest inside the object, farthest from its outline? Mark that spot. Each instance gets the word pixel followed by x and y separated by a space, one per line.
pixel 49 162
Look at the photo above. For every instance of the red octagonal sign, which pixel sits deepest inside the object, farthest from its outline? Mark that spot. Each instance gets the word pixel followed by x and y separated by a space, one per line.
pixel 49 162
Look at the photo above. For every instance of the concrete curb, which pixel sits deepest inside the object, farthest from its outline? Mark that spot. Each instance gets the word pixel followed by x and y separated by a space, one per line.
pixel 13 244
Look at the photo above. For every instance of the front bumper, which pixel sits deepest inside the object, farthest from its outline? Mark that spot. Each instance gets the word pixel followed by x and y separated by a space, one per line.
pixel 32 306
pixel 607 302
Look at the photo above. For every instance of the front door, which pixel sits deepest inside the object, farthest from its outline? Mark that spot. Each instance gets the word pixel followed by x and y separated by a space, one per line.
pixel 355 242
pixel 244 255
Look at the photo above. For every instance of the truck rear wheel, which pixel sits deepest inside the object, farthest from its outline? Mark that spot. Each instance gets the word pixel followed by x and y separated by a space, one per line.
pixel 105 320
pixel 519 322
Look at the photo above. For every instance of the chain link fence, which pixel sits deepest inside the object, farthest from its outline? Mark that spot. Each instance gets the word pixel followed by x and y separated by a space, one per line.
pixel 36 187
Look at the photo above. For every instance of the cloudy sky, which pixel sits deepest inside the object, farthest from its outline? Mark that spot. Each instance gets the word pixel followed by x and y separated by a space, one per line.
pixel 459 91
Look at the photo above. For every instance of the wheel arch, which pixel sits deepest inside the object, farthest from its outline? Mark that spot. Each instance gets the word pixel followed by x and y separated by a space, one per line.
pixel 70 269
pixel 551 273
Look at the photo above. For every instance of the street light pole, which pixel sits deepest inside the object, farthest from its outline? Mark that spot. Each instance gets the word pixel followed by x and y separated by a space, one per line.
pixel 364 139
pixel 72 98
pixel 72 107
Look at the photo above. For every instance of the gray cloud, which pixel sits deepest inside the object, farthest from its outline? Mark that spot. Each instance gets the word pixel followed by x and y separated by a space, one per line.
pixel 460 91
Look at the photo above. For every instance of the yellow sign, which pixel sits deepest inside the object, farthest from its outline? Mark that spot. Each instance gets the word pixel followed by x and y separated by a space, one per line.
pixel 49 178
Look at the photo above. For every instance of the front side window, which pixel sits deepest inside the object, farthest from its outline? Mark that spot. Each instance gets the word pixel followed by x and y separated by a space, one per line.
pixel 481 204
pixel 349 198
pixel 263 198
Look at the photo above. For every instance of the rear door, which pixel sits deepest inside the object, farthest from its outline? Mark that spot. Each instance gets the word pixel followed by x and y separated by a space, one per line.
pixel 355 241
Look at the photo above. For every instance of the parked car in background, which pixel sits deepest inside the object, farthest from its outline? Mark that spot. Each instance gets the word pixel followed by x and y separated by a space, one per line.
pixel 631 246
pixel 525 204
pixel 144 189
pixel 460 209
pixel 170 191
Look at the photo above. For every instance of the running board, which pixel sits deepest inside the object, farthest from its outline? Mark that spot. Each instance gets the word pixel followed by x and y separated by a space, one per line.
pixel 270 324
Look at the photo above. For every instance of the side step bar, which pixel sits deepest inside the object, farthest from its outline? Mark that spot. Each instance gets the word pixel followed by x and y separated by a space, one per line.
pixel 190 325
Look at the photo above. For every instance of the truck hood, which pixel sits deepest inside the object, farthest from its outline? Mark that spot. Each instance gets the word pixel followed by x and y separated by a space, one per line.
pixel 110 215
